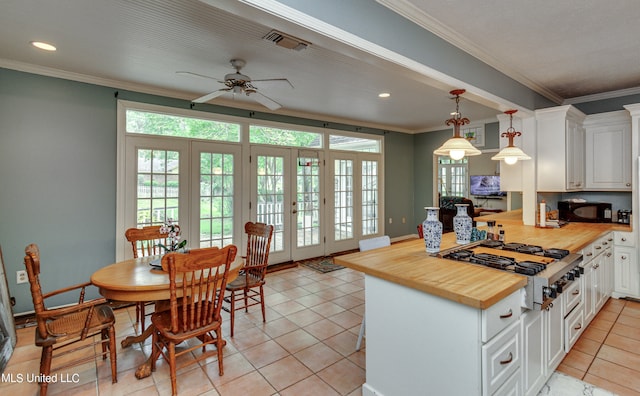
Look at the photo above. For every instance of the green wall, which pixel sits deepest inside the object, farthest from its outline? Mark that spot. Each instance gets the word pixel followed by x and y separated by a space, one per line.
pixel 58 175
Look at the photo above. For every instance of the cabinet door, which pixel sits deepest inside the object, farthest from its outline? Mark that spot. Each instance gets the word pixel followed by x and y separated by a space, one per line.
pixel 587 286
pixel 553 332
pixel 608 157
pixel 575 156
pixel 533 341
pixel 625 271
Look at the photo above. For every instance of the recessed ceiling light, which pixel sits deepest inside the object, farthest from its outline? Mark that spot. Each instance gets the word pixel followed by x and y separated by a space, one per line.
pixel 43 46
pixel 384 95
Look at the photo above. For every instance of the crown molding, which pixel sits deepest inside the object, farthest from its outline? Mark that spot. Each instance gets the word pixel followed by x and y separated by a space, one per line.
pixel 426 21
pixel 603 96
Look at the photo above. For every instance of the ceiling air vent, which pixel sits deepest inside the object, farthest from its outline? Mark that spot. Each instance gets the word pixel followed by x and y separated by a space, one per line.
pixel 286 41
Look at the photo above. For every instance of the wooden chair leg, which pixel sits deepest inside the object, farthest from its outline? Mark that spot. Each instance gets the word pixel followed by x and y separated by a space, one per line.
pixel 141 310
pixel 219 346
pixel 172 366
pixel 112 355
pixel 264 319
pixel 104 334
pixel 246 300
pixel 233 310
pixel 45 367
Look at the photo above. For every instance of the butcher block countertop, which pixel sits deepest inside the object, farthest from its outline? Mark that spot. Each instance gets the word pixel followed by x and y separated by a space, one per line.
pixel 408 264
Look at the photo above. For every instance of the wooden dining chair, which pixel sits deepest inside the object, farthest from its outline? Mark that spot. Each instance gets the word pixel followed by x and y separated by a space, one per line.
pixel 364 245
pixel 243 288
pixel 59 329
pixel 200 276
pixel 145 242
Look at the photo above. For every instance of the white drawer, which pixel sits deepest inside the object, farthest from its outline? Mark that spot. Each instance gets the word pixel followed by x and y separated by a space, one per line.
pixel 511 387
pixel 572 296
pixel 500 359
pixel 624 238
pixel 500 315
pixel 573 327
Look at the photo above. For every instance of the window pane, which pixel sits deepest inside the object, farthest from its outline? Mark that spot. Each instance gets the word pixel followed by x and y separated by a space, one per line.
pixel 283 137
pixel 150 123
pixel 350 143
pixel 216 199
pixel 157 189
pixel 369 197
pixel 343 190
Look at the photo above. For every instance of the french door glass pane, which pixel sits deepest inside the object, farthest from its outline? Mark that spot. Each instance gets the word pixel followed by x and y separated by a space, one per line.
pixel 369 197
pixel 216 199
pixel 343 190
pixel 157 189
pixel 308 202
pixel 270 197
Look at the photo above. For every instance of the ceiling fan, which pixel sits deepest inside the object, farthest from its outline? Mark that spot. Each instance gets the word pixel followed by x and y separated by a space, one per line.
pixel 238 83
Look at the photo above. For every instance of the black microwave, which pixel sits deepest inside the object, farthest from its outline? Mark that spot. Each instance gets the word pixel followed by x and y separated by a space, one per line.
pixel 586 212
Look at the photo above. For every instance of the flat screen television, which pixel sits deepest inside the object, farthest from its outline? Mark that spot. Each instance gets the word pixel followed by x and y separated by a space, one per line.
pixel 486 186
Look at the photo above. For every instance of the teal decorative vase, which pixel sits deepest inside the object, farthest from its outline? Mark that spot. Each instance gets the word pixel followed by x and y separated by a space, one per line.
pixel 432 230
pixel 462 224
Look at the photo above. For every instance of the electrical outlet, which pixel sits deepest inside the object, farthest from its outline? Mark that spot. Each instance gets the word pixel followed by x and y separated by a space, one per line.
pixel 390 220
pixel 21 276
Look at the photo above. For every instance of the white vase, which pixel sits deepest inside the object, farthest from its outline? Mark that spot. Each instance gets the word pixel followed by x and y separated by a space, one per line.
pixel 432 230
pixel 462 224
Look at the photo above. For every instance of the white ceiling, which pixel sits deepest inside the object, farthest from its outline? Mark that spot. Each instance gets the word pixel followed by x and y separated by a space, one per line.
pixel 565 49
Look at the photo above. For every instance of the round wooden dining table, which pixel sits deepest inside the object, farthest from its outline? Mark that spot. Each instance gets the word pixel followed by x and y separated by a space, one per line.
pixel 135 280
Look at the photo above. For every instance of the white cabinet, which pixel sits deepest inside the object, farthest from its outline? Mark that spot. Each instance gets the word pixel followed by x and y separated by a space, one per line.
pixel 438 343
pixel 626 280
pixel 596 280
pixel 553 331
pixel 626 271
pixel 560 142
pixel 543 346
pixel 608 151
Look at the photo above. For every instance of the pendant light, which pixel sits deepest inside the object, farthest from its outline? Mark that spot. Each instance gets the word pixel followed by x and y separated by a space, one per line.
pixel 511 154
pixel 457 147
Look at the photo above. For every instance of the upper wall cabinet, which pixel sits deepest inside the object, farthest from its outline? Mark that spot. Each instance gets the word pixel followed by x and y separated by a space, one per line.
pixel 561 149
pixel 608 151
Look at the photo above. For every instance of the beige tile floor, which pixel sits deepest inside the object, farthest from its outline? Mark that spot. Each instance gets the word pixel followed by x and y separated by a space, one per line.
pixel 307 347
pixel 607 354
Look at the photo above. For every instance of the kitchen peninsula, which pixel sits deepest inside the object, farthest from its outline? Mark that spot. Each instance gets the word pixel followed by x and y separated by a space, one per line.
pixel 437 327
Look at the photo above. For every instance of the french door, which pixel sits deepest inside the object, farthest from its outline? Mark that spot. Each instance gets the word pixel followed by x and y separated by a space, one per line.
pixel 287 191
pixel 194 183
pixel 355 200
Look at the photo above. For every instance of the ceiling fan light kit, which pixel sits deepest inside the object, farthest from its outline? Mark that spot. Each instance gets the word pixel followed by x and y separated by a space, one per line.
pixel 457 147
pixel 511 154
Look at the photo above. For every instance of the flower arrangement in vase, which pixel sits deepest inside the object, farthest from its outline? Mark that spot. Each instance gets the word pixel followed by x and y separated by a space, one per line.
pixel 173 239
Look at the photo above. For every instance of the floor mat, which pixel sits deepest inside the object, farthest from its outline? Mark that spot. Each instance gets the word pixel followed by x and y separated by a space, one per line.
pixel 321 264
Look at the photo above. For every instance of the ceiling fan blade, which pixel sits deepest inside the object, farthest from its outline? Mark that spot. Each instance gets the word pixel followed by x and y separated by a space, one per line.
pixel 265 101
pixel 190 74
pixel 272 81
pixel 210 96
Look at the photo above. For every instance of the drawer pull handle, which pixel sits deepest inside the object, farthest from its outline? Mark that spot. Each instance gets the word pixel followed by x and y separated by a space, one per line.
pixel 623 257
pixel 598 247
pixel 610 239
pixel 589 254
pixel 509 359
pixel 578 327
pixel 623 239
pixel 507 315
pixel 576 292
pixel 596 266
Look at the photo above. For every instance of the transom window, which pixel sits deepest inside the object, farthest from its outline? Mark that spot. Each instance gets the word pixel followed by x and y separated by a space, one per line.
pixel 150 123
